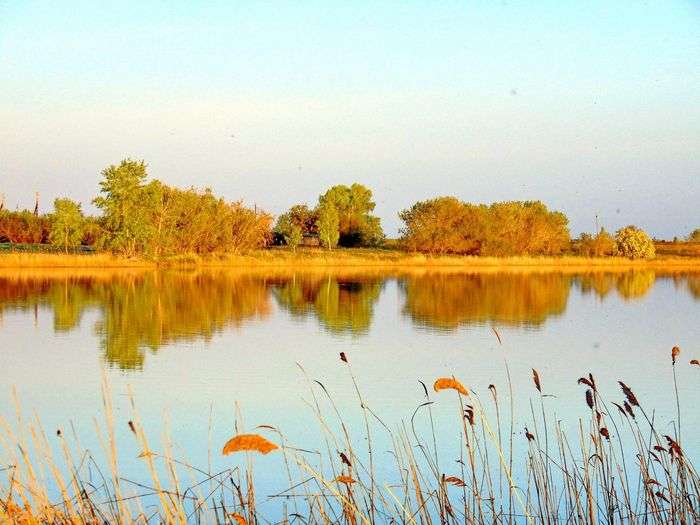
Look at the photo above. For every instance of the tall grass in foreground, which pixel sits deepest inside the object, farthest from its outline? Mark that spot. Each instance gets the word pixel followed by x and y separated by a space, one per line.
pixel 618 467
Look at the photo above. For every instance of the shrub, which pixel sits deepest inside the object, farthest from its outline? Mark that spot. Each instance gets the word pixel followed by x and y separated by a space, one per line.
pixel 634 243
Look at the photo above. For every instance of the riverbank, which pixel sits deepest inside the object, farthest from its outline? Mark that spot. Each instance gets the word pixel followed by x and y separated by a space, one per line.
pixel 355 257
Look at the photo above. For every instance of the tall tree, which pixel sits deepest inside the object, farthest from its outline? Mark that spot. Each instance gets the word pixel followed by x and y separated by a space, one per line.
pixel 127 207
pixel 328 226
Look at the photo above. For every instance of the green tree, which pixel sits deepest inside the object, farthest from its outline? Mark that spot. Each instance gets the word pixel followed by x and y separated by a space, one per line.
pixel 634 243
pixel 289 230
pixel 67 224
pixel 328 226
pixel 694 235
pixel 356 224
pixel 127 207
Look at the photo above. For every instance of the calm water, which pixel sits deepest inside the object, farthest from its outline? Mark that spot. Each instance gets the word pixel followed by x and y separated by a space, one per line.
pixel 192 345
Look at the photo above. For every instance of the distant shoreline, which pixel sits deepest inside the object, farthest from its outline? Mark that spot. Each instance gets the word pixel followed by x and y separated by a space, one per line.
pixel 343 258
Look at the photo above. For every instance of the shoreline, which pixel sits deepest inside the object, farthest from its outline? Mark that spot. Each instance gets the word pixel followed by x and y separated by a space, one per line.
pixel 342 258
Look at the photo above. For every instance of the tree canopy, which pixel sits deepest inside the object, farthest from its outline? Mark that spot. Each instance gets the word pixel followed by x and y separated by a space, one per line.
pixel 634 243
pixel 67 224
pixel 155 219
pixel 356 224
pixel 448 225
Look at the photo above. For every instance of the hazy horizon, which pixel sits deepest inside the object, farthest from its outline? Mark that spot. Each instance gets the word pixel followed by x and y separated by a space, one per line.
pixel 590 108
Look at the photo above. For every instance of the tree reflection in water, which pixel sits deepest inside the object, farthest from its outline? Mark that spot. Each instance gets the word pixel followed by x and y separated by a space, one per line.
pixel 452 300
pixel 142 311
pixel 342 305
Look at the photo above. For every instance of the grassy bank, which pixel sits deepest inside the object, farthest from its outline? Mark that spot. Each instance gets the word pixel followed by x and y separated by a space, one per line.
pixel 616 467
pixel 356 257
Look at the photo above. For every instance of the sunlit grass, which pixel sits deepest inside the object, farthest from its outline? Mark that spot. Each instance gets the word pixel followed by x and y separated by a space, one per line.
pixel 352 257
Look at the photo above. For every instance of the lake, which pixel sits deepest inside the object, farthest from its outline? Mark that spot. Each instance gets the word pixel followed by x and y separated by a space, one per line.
pixel 194 348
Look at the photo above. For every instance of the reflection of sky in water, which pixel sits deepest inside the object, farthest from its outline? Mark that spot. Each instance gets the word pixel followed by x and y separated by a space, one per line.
pixel 191 357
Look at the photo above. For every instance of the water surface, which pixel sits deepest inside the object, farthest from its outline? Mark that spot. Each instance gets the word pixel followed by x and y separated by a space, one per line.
pixel 190 345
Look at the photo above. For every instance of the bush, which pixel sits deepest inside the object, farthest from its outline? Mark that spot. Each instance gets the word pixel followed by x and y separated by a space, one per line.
pixel 448 225
pixel 634 243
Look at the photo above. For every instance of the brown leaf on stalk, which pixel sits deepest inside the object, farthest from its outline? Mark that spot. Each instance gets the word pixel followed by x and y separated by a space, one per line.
pixel 589 399
pixel 343 358
pixel 528 435
pixel 652 481
pixel 660 495
pixel 673 447
pixel 498 336
pixel 345 459
pixel 469 414
pixel 629 410
pixel 344 479
pixel 248 442
pixel 238 518
pixel 584 381
pixel 604 432
pixel 454 480
pixel 492 388
pixel 450 383
pixel 695 362
pixel 536 379
pixel 132 427
pixel 629 394
pixel 675 352
pixel 659 448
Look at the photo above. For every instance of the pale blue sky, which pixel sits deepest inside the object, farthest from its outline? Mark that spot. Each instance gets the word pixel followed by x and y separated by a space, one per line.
pixel 588 106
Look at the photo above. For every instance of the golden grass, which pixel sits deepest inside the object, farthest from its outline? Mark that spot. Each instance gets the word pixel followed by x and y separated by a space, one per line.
pixel 349 258
pixel 60 260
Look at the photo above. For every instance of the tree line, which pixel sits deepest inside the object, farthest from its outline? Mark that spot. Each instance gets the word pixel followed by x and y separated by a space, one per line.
pixel 147 217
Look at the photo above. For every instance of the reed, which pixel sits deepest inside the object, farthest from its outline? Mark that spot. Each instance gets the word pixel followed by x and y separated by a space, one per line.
pixel 617 467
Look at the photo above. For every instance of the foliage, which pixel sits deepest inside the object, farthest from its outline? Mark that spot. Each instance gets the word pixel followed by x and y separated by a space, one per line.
pixel 67 224
pixel 601 245
pixel 694 235
pixel 356 225
pixel 443 225
pixel 125 206
pixel 155 219
pixel 328 226
pixel 305 218
pixel 23 227
pixel 634 243
pixel 447 225
pixel 525 228
pixel 290 231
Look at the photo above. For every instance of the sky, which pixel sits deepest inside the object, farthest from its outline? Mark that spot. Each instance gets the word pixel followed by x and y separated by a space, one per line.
pixel 591 107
